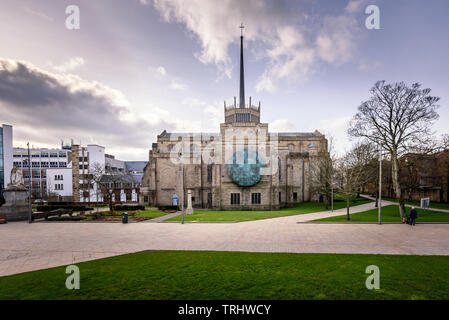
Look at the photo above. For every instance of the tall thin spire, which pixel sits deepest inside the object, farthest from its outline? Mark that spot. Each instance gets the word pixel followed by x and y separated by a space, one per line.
pixel 242 74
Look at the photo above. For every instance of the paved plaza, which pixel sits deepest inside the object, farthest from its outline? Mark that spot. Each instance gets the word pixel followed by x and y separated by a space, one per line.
pixel 26 247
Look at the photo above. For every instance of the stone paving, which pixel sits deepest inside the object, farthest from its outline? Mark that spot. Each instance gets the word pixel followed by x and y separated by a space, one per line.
pixel 25 247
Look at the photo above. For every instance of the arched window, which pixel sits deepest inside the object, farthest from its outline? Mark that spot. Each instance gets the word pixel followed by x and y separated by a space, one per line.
pixel 291 147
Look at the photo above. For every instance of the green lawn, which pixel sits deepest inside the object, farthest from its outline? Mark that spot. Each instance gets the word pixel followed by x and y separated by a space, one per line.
pixel 237 275
pixel 390 214
pixel 435 205
pixel 150 213
pixel 301 208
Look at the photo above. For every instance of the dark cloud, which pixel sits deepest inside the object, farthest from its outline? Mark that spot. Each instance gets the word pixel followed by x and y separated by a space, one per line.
pixel 56 106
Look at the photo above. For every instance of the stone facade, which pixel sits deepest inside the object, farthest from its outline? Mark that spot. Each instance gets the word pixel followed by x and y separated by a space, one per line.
pixel 284 182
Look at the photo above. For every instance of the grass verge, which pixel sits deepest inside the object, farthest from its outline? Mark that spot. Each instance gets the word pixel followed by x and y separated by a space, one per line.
pixel 390 214
pixel 237 275
pixel 301 208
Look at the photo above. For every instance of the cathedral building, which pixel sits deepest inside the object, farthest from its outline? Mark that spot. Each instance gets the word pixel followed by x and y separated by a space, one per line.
pixel 242 167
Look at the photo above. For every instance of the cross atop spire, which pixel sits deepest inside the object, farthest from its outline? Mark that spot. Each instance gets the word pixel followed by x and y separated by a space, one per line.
pixel 242 76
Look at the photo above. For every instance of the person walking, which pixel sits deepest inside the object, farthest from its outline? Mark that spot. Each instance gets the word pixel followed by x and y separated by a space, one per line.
pixel 413 216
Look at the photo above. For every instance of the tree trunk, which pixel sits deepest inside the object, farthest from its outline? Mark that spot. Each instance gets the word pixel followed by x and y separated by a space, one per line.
pixel 396 184
pixel 326 202
pixel 111 208
pixel 347 206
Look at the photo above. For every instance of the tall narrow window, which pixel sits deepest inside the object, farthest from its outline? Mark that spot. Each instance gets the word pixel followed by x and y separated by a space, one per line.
pixel 235 198
pixel 255 198
pixel 209 173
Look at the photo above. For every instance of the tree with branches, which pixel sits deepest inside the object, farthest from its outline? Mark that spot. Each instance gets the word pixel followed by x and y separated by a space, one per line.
pixel 351 171
pixel 322 172
pixel 107 181
pixel 399 118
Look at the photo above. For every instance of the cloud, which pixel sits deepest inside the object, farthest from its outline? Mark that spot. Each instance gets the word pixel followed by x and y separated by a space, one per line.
pixel 282 125
pixel 282 31
pixel 176 84
pixel 38 14
pixel 70 65
pixel 161 71
pixel 50 107
pixel 213 26
pixel 337 124
pixel 335 43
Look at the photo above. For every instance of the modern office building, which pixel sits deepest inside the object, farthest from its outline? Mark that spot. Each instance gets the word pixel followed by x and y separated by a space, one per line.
pixel 67 173
pixel 44 161
pixel 6 155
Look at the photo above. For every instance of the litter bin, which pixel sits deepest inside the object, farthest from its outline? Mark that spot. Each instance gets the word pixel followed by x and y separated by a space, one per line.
pixel 125 217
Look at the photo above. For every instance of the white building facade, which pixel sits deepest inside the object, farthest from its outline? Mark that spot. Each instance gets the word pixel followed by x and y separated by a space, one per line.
pixel 42 160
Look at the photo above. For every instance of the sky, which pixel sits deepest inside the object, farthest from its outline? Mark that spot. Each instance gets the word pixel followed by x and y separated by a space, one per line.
pixel 137 67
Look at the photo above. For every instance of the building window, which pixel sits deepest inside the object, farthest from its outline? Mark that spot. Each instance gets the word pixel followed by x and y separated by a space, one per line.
pixel 242 117
pixel 279 168
pixel 209 199
pixel 53 155
pixel 145 199
pixel 62 164
pixel 209 173
pixel 44 154
pixel 280 198
pixel 295 196
pixel 53 164
pixel 255 198
pixel 235 198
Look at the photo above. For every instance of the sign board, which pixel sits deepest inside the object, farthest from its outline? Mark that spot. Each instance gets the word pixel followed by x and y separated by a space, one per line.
pixel 425 203
pixel 174 200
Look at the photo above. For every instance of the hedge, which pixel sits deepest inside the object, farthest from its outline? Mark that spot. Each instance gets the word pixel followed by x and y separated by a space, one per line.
pixel 167 208
pixel 54 207
pixel 126 207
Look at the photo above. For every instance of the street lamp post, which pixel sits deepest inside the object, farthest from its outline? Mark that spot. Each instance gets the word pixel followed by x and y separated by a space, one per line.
pixel 380 185
pixel 29 185
pixel 332 194
pixel 182 182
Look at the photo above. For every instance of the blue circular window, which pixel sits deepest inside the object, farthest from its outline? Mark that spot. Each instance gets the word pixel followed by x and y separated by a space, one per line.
pixel 246 167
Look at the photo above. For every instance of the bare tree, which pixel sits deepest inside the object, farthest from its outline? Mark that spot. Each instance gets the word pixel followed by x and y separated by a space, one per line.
pixel 51 194
pixel 322 171
pixel 107 181
pixel 399 118
pixel 351 171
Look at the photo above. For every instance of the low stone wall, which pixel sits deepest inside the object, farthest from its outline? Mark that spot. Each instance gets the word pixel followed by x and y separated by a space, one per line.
pixel 16 206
